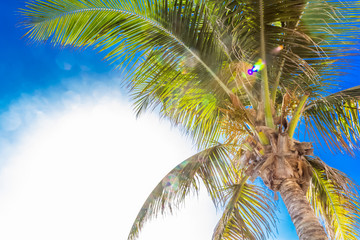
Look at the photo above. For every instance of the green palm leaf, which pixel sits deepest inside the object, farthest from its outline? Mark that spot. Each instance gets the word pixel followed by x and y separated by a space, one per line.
pixel 167 45
pixel 183 99
pixel 334 197
pixel 336 117
pixel 210 166
pixel 249 213
pixel 309 32
pixel 128 28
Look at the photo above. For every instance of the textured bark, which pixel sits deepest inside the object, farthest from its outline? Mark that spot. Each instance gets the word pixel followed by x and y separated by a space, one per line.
pixel 302 215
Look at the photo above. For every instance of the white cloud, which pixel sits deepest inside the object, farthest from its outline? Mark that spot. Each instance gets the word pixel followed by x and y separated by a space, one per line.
pixel 79 166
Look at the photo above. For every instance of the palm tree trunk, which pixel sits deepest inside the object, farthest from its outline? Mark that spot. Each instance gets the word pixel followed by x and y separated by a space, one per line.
pixel 302 215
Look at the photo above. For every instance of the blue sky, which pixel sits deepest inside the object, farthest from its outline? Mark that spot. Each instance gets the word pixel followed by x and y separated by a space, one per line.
pixel 40 79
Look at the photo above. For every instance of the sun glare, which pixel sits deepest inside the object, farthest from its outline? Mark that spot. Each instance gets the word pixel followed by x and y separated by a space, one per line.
pixel 84 172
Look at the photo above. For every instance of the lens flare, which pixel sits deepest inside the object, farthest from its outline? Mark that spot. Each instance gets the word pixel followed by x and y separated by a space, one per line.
pixel 277 49
pixel 257 67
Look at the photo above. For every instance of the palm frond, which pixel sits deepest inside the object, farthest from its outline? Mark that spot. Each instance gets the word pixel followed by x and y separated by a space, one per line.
pixel 182 98
pixel 334 197
pixel 309 33
pixel 128 28
pixel 337 118
pixel 249 213
pixel 350 93
pixel 196 106
pixel 209 166
pixel 166 45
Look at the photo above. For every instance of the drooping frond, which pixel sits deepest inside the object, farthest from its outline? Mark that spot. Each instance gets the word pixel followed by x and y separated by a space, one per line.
pixel 195 105
pixel 333 28
pixel 168 46
pixel 249 213
pixel 209 167
pixel 127 27
pixel 182 98
pixel 337 118
pixel 334 197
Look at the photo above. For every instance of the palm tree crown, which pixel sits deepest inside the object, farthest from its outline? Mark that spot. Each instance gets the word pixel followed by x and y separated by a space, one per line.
pixel 238 76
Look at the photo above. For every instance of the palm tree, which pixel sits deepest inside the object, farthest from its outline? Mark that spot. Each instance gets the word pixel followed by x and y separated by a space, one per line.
pixel 239 77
